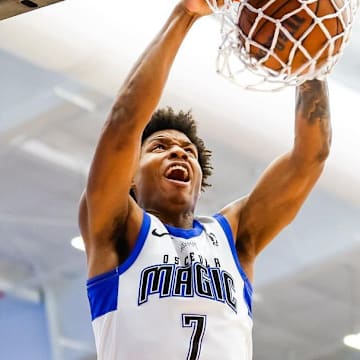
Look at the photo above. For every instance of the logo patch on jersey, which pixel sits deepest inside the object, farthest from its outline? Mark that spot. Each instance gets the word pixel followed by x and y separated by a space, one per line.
pixel 213 239
pixel 196 279
pixel 187 244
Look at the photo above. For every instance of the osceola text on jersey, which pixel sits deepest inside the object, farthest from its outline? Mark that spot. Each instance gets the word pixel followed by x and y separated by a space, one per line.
pixel 197 278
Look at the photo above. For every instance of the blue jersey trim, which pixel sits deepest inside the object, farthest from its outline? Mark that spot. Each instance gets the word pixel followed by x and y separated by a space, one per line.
pixel 248 290
pixel 185 233
pixel 144 230
pixel 102 293
pixel 103 289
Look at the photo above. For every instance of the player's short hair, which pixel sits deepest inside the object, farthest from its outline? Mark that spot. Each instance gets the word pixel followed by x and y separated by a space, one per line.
pixel 166 119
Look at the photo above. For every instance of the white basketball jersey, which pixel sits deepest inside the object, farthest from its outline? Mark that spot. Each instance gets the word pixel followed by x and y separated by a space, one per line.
pixel 181 295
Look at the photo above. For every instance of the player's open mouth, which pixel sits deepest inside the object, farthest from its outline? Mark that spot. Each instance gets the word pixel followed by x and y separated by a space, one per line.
pixel 177 173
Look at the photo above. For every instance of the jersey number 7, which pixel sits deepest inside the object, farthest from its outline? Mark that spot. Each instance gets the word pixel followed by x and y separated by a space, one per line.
pixel 198 323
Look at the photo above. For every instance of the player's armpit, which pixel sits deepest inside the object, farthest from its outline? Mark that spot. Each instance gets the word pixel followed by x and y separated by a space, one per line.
pixel 273 203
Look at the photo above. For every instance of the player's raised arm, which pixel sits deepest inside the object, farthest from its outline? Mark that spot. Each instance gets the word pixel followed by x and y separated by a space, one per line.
pixel 105 202
pixel 285 184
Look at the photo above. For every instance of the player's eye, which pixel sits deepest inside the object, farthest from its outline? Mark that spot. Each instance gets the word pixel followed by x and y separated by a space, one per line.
pixel 159 147
pixel 190 150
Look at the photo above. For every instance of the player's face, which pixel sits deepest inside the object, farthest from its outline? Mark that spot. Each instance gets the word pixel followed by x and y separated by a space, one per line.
pixel 169 173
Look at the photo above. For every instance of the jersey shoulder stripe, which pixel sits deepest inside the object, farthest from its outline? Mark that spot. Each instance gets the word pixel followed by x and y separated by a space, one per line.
pixel 103 289
pixel 248 290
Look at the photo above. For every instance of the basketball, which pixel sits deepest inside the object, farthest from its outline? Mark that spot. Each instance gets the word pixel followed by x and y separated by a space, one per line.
pixel 299 38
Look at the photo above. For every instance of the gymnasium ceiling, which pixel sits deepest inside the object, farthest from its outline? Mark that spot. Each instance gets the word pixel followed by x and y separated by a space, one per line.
pixel 61 68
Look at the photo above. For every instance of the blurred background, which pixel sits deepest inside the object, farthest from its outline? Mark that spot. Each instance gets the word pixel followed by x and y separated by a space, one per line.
pixel 60 69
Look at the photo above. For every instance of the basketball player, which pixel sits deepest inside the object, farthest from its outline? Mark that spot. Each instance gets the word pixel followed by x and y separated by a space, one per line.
pixel 164 284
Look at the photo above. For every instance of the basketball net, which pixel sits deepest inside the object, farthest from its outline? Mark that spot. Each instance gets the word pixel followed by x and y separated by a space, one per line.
pixel 235 62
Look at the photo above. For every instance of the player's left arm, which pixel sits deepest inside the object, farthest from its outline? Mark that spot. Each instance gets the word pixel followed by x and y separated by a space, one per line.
pixel 281 190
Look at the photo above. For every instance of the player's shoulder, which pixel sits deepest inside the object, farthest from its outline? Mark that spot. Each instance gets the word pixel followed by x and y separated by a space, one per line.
pixel 205 219
pixel 233 211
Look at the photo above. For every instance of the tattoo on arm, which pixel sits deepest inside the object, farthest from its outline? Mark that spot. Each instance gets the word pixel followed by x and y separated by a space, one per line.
pixel 312 104
pixel 312 101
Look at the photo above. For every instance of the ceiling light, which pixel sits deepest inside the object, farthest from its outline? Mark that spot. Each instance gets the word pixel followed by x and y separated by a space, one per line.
pixel 75 99
pixel 78 243
pixel 352 340
pixel 52 155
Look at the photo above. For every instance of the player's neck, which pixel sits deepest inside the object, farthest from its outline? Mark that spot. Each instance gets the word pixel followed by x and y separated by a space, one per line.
pixel 182 220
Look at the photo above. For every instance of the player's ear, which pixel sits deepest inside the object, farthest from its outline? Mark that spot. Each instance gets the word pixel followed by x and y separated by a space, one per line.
pixel 133 190
pixel 132 194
